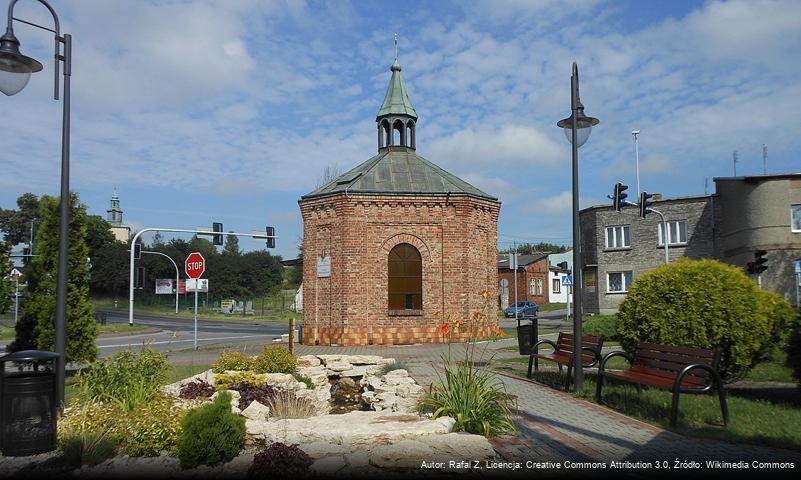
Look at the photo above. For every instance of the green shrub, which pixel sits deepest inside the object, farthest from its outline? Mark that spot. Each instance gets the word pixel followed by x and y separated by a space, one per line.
pixel 388 367
pixel 473 397
pixel 88 448
pixel 127 378
pixel 211 434
pixel 147 430
pixel 274 359
pixel 224 381
pixel 153 427
pixel 794 348
pixel 703 304
pixel 601 325
pixel 233 360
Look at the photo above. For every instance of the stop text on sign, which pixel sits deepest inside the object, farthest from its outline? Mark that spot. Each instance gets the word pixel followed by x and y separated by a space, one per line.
pixel 195 265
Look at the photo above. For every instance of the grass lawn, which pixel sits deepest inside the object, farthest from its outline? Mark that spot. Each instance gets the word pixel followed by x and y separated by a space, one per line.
pixel 771 420
pixel 550 307
pixel 179 372
pixel 773 370
pixel 271 316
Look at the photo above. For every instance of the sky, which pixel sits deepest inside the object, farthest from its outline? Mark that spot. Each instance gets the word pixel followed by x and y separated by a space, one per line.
pixel 230 110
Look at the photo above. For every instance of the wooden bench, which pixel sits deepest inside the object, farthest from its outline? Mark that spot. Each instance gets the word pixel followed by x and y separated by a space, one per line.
pixel 679 369
pixel 562 353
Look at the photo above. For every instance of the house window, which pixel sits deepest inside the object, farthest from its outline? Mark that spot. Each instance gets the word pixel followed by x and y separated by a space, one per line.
pixel 795 218
pixel 405 278
pixel 557 286
pixel 677 232
pixel 535 286
pixel 617 282
pixel 618 236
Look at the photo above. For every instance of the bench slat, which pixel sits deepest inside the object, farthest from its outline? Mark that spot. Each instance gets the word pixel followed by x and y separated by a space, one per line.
pixel 688 351
pixel 672 357
pixel 670 375
pixel 671 368
pixel 653 380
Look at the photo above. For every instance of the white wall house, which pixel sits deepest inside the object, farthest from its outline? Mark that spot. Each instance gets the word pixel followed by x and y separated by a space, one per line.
pixel 557 293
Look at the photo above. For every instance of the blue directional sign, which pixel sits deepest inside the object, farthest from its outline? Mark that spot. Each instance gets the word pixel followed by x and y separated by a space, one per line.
pixel 567 281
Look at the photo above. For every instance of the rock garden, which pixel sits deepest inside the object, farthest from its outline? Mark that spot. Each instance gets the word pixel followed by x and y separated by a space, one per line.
pixel 253 416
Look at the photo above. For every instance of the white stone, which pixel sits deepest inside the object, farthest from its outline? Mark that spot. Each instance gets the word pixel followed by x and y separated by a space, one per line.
pixel 448 422
pixel 338 366
pixel 364 359
pixel 460 445
pixel 323 449
pixel 326 359
pixel 318 375
pixel 308 361
pixel 358 459
pixel 256 411
pixel 279 378
pixel 353 429
pixel 174 389
pixel 328 465
pixel 354 372
pixel 406 454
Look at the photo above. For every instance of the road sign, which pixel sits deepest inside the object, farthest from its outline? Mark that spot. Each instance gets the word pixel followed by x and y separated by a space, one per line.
pixel 197 285
pixel 15 274
pixel 195 265
pixel 797 265
pixel 567 281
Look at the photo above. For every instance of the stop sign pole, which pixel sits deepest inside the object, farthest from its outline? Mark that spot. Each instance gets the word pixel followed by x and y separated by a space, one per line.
pixel 194 267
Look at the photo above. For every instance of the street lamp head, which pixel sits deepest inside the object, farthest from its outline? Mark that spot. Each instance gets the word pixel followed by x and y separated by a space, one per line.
pixel 15 68
pixel 584 126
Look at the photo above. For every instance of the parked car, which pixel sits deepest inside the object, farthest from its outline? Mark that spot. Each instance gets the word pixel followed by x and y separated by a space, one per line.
pixel 523 309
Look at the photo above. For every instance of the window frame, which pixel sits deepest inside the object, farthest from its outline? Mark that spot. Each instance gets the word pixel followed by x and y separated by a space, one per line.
pixel 623 282
pixel 660 238
pixel 793 210
pixel 556 286
pixel 618 240
pixel 403 279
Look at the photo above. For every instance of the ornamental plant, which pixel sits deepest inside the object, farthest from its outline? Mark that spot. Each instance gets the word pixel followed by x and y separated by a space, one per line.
pixel 468 391
pixel 280 460
pixel 233 360
pixel 794 348
pixel 211 435
pixel 275 359
pixel 705 304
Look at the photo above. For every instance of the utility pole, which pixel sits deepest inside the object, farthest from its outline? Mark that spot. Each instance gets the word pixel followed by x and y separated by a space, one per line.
pixel 636 134
pixel 514 266
pixel 764 159
pixel 734 161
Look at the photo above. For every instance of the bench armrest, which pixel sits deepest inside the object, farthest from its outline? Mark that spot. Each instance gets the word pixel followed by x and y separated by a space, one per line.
pixel 540 342
pixel 714 377
pixel 596 356
pixel 610 355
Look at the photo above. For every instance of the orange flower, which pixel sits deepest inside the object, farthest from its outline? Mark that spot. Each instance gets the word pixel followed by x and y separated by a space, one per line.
pixel 457 323
pixel 500 332
pixel 484 294
pixel 443 329
pixel 477 315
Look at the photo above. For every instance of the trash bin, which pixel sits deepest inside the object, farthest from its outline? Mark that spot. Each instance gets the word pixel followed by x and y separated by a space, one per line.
pixel 525 336
pixel 28 403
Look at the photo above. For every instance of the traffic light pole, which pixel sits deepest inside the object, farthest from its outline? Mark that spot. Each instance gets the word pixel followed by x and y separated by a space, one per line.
pixel 665 233
pixel 174 230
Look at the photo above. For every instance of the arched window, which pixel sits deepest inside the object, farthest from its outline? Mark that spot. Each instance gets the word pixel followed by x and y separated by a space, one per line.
pixel 405 278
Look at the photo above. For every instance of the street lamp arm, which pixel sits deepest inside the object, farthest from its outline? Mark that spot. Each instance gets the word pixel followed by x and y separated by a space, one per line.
pixel 177 273
pixel 66 57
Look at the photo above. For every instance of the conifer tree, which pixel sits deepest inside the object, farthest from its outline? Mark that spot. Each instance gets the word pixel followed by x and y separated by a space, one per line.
pixel 6 285
pixel 36 328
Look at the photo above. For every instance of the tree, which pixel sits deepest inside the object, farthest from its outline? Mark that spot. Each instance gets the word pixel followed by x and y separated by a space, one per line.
pixel 110 269
pixel 231 245
pixel 330 172
pixel 541 247
pixel 16 224
pixel 6 285
pixel 36 328
pixel 98 234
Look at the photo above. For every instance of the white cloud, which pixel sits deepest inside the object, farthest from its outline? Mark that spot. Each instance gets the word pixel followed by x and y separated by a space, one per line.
pixel 500 148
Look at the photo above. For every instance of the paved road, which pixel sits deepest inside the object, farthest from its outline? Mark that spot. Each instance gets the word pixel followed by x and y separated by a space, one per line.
pixel 178 334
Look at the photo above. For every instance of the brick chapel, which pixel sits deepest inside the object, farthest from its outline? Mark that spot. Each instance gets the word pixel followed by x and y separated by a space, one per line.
pixel 396 244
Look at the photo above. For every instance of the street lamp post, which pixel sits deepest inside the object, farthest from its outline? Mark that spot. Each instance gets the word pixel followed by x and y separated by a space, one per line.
pixel 577 129
pixel 15 71
pixel 177 273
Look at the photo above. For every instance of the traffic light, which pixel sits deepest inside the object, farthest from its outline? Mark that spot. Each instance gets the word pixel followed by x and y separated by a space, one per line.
pixel 138 251
pixel 645 203
pixel 619 196
pixel 760 261
pixel 750 268
pixel 271 235
pixel 217 238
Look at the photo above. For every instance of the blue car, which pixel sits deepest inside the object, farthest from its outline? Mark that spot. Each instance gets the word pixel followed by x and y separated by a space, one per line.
pixel 523 309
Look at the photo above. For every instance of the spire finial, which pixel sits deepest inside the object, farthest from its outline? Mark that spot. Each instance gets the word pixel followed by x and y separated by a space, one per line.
pixel 396 46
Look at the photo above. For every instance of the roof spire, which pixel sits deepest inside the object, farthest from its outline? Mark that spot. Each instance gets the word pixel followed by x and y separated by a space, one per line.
pixel 396 47
pixel 396 100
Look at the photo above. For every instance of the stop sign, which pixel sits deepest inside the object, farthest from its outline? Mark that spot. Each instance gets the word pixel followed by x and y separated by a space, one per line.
pixel 195 265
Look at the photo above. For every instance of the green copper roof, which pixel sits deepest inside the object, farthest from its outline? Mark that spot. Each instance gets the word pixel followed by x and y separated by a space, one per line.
pixel 398 171
pixel 396 101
